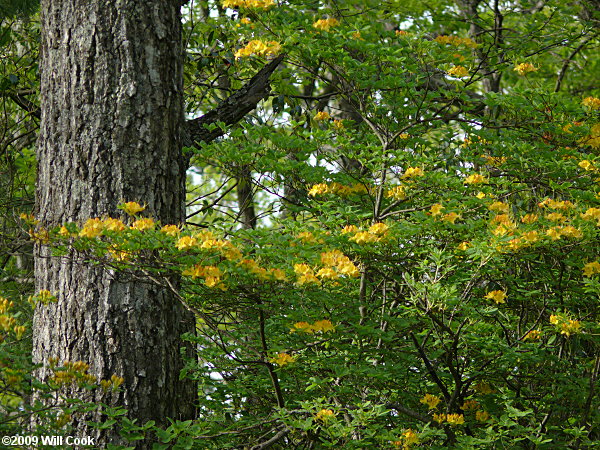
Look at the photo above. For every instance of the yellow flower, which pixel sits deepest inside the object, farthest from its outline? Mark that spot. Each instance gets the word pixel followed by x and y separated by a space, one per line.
pixel 499 207
pixel 247 3
pixel 482 416
pixel 586 165
pixel 118 254
pixel 554 319
pixel 318 189
pixel 450 217
pixel 378 228
pixel 186 242
pixel 476 178
pixel 524 68
pixel 323 325
pixel 570 327
pixel 347 267
pixel 325 24
pixel 259 48
pixel 143 224
pixel 431 401
pixel 397 193
pixel 439 418
pixel 41 235
pixel 327 274
pixel 591 268
pixel 5 305
pixel 497 296
pixel 530 236
pixel 410 437
pixel 455 419
pixel 307 237
pixel 324 415
pixel 19 331
pixel 591 213
pixel 533 335
pixel 554 233
pixel 570 231
pixel 356 35
pixel 349 229
pixel 463 246
pixel 556 217
pixel 304 327
pixel 364 237
pixel 483 388
pixel 592 103
pixel 111 224
pixel 338 124
pixel 132 208
pixel 412 172
pixel 278 274
pixel 92 228
pixel 170 230
pixel 470 405
pixel 480 195
pixel 529 218
pixel 245 21
pixel 456 41
pixel 195 271
pixel 436 209
pixel 322 115
pixel 458 72
pixel 282 359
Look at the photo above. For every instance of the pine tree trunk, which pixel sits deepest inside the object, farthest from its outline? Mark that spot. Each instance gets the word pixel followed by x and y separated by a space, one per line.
pixel 112 111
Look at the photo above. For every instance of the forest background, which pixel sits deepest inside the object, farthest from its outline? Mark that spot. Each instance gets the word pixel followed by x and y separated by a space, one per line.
pixel 393 244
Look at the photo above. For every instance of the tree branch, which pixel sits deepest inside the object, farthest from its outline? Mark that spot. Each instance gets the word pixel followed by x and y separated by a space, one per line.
pixel 233 108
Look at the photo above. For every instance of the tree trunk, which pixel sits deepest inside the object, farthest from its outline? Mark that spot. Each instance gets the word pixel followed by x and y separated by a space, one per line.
pixel 112 111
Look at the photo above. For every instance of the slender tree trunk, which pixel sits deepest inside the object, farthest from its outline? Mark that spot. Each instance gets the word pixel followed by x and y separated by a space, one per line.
pixel 112 111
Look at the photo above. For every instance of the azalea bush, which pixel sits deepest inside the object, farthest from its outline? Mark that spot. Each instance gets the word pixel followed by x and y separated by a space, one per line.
pixel 424 270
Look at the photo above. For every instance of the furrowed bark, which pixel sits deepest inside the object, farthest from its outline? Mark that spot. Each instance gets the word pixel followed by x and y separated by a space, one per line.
pixel 112 113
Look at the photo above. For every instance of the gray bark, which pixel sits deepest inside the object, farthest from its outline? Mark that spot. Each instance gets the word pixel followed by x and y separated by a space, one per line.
pixel 112 112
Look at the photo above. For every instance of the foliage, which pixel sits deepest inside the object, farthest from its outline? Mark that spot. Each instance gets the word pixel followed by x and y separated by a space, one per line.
pixel 424 272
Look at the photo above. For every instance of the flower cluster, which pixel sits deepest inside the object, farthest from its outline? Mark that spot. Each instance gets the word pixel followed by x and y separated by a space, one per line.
pixel 211 274
pixel 458 72
pixel 265 4
pixel 396 193
pixel 326 24
pixel 456 41
pixel 496 296
pixel 323 326
pixel 262 273
pixel 259 48
pixel 555 233
pixel 591 268
pixel 112 384
pixel 342 264
pixel 431 401
pixel 324 415
pixel 376 233
pixel 72 372
pixel 451 419
pixel 532 335
pixel 281 359
pixel 524 68
pixel 592 103
pixel 412 172
pixel 476 178
pixel 554 204
pixel 565 325
pixel 337 189
pixel 131 208
pixel 321 116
